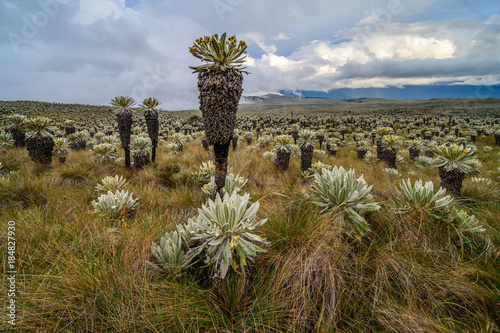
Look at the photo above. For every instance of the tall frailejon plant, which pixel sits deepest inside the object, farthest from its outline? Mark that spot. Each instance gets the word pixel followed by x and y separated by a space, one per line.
pixel 220 81
pixel 123 112
pixel 149 106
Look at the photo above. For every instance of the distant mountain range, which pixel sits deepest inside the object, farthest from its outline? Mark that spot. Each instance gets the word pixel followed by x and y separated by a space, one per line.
pixel 407 92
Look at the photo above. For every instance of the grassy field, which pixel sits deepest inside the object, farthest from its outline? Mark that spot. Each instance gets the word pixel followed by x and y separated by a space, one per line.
pixel 82 272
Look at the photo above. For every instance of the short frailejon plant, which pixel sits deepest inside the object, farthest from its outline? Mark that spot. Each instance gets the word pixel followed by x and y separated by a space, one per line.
pixel 40 141
pixel 454 163
pixel 149 106
pixel 115 204
pixel 307 138
pixel 6 140
pixel 140 148
pixel 422 197
pixel 123 111
pixel 170 254
pixel 222 233
pixel 105 153
pixel 233 184
pixel 112 184
pixel 283 149
pixel 338 190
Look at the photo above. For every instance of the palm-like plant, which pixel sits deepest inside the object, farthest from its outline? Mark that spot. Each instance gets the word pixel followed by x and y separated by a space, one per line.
pixel 362 147
pixel 15 123
pixel 123 112
pixel 283 149
pixel 149 106
pixel 307 137
pixel 220 82
pixel 390 144
pixel 338 190
pixel 40 142
pixel 454 163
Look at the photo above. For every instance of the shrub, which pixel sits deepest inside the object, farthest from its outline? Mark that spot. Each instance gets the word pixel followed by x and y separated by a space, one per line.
pixel 111 184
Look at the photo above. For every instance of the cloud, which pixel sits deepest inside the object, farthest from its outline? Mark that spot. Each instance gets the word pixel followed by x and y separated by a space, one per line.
pixel 89 51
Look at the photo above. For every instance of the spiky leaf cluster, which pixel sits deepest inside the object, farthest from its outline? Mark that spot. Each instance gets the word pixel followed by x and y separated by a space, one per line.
pixel 170 254
pixel 6 140
pixel 104 153
pixel 112 184
pixel 283 144
pixel 114 204
pixel 149 106
pixel 455 157
pixel 38 127
pixel 218 53
pixel 224 231
pixel 422 197
pixel 122 105
pixel 340 191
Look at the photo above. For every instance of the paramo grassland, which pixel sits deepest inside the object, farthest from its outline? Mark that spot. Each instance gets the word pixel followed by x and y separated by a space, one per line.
pixel 358 215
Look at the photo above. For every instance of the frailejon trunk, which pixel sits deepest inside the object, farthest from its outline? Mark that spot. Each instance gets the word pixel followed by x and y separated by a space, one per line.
pixel 306 155
pixel 40 149
pixel 205 144
pixel 220 92
pixel 153 126
pixel 219 95
pixel 451 180
pixel 141 159
pixel 125 131
pixel 413 153
pixel 221 152
pixel 282 160
pixel 235 142
pixel 19 137
pixel 361 153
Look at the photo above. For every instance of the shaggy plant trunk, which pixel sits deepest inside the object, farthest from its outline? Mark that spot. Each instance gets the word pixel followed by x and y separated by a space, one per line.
pixel 321 139
pixel 205 144
pixel 389 157
pixel 413 153
pixel 380 152
pixel 221 152
pixel 235 142
pixel 361 154
pixel 451 180
pixel 70 130
pixel 141 159
pixel 249 141
pixel 125 131
pixel 40 149
pixel 282 160
pixel 79 145
pixel 153 126
pixel 473 138
pixel 295 136
pixel 497 139
pixel 429 153
pixel 306 155
pixel 19 137
pixel 220 93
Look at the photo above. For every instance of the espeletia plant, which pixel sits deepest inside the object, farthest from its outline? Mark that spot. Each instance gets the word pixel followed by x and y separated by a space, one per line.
pixel 115 204
pixel 339 191
pixel 112 184
pixel 422 197
pixel 233 184
pixel 223 233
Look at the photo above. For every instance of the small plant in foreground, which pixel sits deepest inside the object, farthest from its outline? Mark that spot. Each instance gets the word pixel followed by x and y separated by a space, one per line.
pixel 222 233
pixel 233 184
pixel 338 190
pixel 114 204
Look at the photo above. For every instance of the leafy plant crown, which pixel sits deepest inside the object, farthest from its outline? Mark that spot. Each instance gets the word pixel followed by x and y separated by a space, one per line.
pixel 456 157
pixel 122 104
pixel 218 53
pixel 38 127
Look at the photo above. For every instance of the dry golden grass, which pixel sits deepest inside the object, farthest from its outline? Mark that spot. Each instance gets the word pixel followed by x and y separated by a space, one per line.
pixel 81 272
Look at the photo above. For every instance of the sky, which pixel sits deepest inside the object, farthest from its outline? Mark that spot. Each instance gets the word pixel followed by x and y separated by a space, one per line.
pixel 89 51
